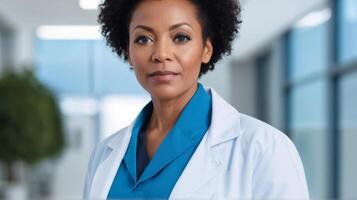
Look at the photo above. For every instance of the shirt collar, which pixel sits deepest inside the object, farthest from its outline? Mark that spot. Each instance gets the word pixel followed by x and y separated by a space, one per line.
pixel 195 116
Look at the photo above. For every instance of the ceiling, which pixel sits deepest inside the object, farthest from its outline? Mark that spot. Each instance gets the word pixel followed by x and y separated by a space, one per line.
pixel 263 20
pixel 31 13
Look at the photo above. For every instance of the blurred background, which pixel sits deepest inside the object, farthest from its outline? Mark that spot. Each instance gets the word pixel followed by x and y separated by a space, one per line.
pixel 294 66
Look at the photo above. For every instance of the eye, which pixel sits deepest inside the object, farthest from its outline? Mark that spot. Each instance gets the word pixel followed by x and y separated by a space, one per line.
pixel 142 40
pixel 181 38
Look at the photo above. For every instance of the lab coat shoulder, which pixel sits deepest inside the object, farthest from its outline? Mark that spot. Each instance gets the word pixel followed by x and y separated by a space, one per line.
pixel 277 170
pixel 98 155
pixel 258 134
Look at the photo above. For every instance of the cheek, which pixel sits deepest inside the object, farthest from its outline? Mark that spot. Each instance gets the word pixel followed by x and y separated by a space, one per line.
pixel 139 59
pixel 137 54
pixel 139 63
pixel 190 59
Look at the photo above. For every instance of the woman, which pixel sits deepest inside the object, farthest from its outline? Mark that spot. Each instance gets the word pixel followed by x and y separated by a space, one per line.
pixel 187 142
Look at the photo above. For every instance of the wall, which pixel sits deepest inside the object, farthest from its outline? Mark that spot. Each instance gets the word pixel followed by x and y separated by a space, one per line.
pixel 244 87
pixel 275 111
pixel 219 79
pixel 16 45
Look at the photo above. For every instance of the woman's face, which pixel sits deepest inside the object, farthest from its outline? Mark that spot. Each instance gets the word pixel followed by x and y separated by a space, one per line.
pixel 166 47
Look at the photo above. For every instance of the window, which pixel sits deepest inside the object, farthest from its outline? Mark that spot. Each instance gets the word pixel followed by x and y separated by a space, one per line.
pixel 348 134
pixel 308 130
pixel 85 74
pixel 347 30
pixel 83 67
pixel 308 51
pixel 321 101
pixel 307 122
pixel 64 66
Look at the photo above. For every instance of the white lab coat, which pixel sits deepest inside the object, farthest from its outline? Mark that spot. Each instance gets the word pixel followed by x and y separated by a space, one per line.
pixel 239 157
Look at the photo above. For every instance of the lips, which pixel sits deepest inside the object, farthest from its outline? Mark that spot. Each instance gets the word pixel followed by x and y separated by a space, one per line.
pixel 162 73
pixel 163 76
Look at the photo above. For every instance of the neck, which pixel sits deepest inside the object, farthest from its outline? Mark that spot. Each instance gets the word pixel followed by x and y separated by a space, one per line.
pixel 166 112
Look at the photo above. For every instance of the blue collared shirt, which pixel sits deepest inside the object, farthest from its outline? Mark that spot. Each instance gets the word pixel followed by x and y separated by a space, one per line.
pixel 160 174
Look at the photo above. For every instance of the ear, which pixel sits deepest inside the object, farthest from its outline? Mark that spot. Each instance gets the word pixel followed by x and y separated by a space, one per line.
pixel 128 55
pixel 207 51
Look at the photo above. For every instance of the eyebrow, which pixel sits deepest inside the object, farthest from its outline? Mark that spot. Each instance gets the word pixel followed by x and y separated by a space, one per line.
pixel 171 27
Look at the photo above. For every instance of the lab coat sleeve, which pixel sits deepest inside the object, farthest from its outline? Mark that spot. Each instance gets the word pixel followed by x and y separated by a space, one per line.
pixel 279 173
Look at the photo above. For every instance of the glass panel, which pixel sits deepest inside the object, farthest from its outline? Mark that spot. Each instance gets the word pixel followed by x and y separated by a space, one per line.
pixel 308 131
pixel 63 65
pixel 308 51
pixel 112 74
pixel 347 30
pixel 348 131
pixel 83 67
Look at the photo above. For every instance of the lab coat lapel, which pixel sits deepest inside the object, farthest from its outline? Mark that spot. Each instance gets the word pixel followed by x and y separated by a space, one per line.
pixel 201 168
pixel 208 161
pixel 110 160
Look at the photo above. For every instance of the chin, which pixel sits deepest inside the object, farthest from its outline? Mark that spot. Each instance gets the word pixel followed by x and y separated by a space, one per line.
pixel 164 92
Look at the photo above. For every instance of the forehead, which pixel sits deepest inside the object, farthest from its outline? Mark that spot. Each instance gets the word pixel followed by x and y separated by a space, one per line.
pixel 164 13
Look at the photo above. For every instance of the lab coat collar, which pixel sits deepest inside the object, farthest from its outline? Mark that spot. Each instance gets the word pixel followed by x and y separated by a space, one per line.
pixel 217 133
pixel 195 116
pixel 130 156
pixel 192 123
pixel 207 161
pixel 108 164
pixel 204 164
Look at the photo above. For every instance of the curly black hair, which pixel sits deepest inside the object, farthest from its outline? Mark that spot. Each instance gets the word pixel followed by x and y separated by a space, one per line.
pixel 220 20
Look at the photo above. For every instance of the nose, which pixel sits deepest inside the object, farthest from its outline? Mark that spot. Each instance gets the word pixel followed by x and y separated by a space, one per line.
pixel 162 51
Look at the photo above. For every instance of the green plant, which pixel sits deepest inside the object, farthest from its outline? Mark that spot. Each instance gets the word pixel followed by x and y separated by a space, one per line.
pixel 30 120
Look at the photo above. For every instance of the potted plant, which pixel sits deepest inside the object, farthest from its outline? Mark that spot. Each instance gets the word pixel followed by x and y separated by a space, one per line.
pixel 30 121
